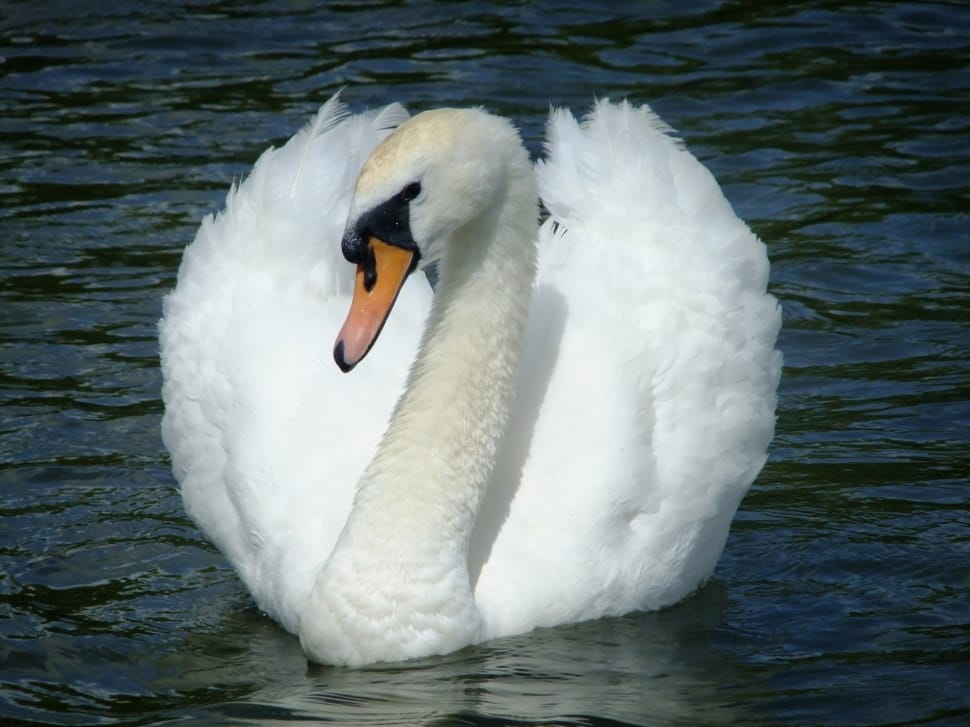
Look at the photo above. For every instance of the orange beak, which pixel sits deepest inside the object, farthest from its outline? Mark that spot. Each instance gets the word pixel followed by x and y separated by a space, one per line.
pixel 376 286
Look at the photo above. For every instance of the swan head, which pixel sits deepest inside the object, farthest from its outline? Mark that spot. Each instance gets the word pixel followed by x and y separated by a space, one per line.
pixel 437 173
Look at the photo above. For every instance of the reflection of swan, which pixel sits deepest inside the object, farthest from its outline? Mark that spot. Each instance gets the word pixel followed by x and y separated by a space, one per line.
pixel 591 471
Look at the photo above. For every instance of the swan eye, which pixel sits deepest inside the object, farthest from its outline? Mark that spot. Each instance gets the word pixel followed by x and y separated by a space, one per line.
pixel 411 191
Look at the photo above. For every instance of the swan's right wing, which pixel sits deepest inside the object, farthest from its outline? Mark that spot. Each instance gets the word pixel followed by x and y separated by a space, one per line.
pixel 267 437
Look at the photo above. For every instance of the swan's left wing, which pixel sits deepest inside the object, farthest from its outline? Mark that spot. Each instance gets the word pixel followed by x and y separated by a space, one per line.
pixel 647 384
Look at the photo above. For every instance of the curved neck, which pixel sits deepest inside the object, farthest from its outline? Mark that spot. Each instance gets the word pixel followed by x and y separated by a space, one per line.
pixel 434 463
pixel 396 584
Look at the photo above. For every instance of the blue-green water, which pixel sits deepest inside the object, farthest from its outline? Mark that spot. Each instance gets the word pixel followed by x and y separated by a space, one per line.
pixel 840 131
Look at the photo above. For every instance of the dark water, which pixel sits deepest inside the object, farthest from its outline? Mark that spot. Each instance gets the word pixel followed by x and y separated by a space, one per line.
pixel 840 131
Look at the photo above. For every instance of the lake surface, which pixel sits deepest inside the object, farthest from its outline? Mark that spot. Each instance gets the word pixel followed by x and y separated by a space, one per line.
pixel 840 132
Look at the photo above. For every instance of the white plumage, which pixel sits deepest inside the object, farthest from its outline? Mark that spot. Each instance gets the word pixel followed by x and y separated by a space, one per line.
pixel 641 406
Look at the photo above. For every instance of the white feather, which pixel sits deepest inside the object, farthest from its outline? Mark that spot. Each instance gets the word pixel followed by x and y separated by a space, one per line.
pixel 643 403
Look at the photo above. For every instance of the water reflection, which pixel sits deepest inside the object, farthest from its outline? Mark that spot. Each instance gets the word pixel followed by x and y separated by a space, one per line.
pixel 615 669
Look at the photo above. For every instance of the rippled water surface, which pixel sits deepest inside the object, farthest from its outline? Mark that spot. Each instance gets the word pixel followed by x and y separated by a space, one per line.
pixel 840 131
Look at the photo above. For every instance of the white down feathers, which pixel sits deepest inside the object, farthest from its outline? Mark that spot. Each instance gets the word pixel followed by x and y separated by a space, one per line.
pixel 642 411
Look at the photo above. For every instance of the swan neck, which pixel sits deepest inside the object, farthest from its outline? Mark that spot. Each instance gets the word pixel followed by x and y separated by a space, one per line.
pixel 396 584
pixel 455 406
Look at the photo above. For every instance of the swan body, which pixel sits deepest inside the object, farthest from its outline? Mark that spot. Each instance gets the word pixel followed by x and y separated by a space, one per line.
pixel 587 405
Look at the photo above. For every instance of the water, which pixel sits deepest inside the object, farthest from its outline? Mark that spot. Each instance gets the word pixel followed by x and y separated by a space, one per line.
pixel 842 134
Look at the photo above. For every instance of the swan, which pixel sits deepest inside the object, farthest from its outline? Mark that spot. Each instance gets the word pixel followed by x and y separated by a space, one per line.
pixel 561 430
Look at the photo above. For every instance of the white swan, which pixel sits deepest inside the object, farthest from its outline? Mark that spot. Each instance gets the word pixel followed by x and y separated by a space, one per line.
pixel 593 471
